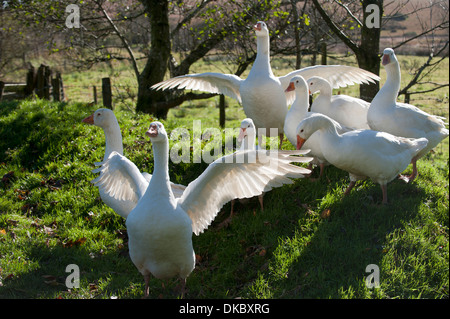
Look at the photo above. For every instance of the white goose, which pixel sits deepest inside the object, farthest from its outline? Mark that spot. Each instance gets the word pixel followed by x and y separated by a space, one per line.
pixel 160 226
pixel 106 119
pixel 362 153
pixel 346 110
pixel 262 93
pixel 297 113
pixel 247 138
pixel 400 119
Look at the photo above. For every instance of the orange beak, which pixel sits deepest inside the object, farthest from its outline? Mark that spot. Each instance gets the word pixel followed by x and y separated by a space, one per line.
pixel 300 142
pixel 89 119
pixel 257 27
pixel 152 131
pixel 291 87
pixel 386 59
pixel 242 134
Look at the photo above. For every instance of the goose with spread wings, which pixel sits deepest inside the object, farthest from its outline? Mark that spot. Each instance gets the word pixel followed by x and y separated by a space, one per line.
pixel 160 227
pixel 262 94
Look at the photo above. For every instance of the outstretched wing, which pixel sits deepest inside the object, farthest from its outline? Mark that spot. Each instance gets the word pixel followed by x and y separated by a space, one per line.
pixel 227 84
pixel 337 75
pixel 243 174
pixel 120 178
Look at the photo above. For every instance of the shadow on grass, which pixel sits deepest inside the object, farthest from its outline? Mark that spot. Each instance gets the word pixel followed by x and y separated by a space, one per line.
pixel 100 274
pixel 350 236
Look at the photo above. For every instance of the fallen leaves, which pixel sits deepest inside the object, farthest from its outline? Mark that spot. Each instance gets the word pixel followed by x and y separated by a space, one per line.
pixel 325 213
pixel 72 243
pixel 7 178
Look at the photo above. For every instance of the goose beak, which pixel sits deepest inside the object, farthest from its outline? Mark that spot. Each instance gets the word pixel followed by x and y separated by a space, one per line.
pixel 152 131
pixel 242 134
pixel 300 142
pixel 89 119
pixel 257 27
pixel 386 59
pixel 291 87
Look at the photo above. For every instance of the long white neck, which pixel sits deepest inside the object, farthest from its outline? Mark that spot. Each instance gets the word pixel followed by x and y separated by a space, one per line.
pixel 297 112
pixel 329 131
pixel 389 92
pixel 160 182
pixel 113 138
pixel 262 61
pixel 248 143
pixel 323 100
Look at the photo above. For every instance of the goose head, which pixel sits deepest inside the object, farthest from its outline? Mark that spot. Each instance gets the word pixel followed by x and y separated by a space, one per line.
pixel 157 132
pixel 316 84
pixel 298 84
pixel 101 118
pixel 308 126
pixel 388 56
pixel 247 129
pixel 261 29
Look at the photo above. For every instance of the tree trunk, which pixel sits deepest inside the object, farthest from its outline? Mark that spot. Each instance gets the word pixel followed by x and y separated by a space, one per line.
pixel 155 69
pixel 367 55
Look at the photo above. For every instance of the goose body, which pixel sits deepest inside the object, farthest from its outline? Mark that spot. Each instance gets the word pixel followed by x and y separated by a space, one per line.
pixel 362 153
pixel 297 113
pixel 106 119
pixel 387 115
pixel 346 110
pixel 262 94
pixel 160 226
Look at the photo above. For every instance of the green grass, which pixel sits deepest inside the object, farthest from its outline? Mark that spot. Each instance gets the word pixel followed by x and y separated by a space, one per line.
pixel 309 242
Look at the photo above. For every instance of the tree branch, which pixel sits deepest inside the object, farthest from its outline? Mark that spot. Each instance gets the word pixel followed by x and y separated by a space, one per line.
pixel 442 25
pixel 349 12
pixel 344 38
pixel 123 39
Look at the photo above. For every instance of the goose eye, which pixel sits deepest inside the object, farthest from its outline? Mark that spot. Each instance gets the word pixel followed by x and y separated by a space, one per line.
pixel 301 131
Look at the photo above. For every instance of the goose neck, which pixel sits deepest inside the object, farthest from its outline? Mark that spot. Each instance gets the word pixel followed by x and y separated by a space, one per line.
pixel 113 139
pixel 391 87
pixel 263 53
pixel 160 182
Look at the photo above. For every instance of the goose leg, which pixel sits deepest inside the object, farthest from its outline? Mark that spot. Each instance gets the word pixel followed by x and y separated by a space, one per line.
pixel 281 139
pixel 410 178
pixel 260 199
pixel 227 221
pixel 384 190
pixel 183 287
pixel 146 289
pixel 349 188
pixel 322 168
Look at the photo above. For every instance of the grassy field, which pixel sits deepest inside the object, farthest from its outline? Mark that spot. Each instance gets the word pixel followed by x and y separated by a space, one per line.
pixel 309 242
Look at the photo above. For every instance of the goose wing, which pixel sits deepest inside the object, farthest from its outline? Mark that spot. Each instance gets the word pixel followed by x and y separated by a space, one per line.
pixel 243 174
pixel 227 84
pixel 336 75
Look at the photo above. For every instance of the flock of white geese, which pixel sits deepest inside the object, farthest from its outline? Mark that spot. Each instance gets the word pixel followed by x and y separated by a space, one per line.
pixel 377 140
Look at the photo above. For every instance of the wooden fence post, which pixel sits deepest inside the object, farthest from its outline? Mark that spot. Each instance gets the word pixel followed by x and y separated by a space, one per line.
pixel 323 52
pixel 222 111
pixel 106 93
pixel 47 82
pixel 31 81
pixel 2 85
pixel 40 81
pixel 57 88
pixel 95 94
